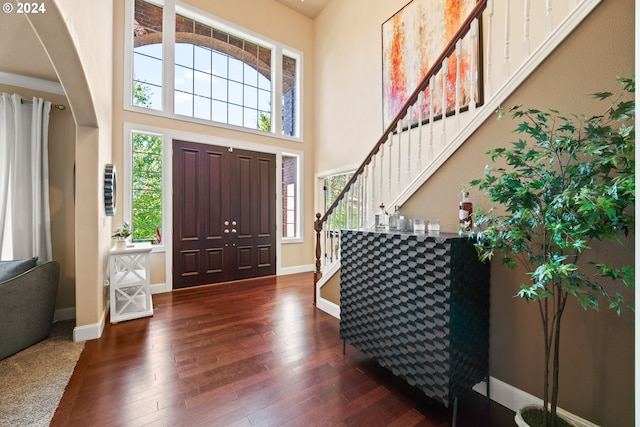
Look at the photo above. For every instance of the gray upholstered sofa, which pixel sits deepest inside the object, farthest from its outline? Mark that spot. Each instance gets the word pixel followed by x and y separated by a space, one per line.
pixel 28 292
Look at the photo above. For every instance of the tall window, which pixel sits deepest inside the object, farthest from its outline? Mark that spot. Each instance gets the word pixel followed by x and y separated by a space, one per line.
pixel 290 197
pixel 221 73
pixel 289 95
pixel 147 55
pixel 146 186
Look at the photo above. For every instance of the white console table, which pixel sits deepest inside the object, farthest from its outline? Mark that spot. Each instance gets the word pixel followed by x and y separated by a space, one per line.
pixel 129 282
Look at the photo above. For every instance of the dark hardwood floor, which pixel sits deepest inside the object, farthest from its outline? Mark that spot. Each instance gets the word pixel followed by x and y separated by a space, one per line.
pixel 250 353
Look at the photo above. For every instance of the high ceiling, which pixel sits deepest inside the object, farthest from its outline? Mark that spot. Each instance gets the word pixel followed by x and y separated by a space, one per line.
pixel 309 8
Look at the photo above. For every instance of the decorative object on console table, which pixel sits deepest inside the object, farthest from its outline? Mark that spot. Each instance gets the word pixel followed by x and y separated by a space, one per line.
pixel 121 235
pixel 130 283
pixel 381 219
pixel 465 209
pixel 419 304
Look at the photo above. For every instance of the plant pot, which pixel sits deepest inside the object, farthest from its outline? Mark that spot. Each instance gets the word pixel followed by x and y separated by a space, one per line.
pixel 520 422
pixel 121 244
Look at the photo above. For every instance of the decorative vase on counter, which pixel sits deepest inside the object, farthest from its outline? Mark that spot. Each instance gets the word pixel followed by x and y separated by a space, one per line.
pixel 382 219
pixel 465 209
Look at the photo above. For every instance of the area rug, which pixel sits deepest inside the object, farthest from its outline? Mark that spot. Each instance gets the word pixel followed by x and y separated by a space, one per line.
pixel 32 382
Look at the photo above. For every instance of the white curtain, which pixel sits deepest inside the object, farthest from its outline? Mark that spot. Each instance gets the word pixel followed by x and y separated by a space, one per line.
pixel 24 178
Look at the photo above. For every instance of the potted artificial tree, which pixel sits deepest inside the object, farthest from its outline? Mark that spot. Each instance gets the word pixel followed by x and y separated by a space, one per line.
pixel 569 180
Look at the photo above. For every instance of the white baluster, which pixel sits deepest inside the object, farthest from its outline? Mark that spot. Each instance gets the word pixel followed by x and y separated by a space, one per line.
pixel 339 225
pixel 399 152
pixel 432 84
pixel 389 179
pixel 325 242
pixel 489 78
pixel 458 60
pixel 353 207
pixel 353 210
pixel 349 211
pixel 381 172
pixel 409 116
pixel 526 48
pixel 474 61
pixel 373 185
pixel 328 249
pixel 339 217
pixel 445 75
pixel 507 35
pixel 365 197
pixel 420 106
pixel 346 208
pixel 548 23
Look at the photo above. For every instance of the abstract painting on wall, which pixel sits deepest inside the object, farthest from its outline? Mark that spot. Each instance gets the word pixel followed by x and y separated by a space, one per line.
pixel 412 40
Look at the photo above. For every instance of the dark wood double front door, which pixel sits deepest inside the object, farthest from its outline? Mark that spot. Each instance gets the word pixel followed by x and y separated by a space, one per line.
pixel 224 214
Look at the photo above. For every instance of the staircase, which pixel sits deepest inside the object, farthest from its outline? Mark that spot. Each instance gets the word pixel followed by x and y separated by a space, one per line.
pixel 421 138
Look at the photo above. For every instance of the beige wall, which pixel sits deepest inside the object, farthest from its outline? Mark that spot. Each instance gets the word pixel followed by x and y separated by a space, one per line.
pixel 89 88
pixel 597 354
pixel 79 48
pixel 264 17
pixel 348 83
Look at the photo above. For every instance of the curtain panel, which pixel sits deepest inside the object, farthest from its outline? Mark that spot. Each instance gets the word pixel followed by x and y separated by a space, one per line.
pixel 25 224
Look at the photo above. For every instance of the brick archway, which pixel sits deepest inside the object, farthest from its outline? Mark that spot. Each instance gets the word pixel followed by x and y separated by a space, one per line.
pixel 236 52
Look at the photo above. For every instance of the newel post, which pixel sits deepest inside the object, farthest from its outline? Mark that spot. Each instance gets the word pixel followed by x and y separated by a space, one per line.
pixel 317 226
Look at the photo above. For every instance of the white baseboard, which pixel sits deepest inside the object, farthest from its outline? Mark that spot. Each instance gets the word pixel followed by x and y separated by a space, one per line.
pixel 90 332
pixel 284 271
pixel 158 288
pixel 328 307
pixel 515 399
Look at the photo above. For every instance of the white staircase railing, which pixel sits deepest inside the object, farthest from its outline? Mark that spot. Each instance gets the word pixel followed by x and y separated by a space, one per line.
pixel 411 150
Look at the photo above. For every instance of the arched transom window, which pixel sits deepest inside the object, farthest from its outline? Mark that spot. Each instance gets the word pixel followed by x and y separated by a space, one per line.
pixel 218 73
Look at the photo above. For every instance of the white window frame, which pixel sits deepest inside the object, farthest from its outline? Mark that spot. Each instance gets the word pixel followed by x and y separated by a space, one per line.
pixel 170 7
pixel 127 186
pixel 299 233
pixel 319 193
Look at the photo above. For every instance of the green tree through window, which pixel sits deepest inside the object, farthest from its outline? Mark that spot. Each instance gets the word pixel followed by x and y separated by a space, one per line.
pixel 146 206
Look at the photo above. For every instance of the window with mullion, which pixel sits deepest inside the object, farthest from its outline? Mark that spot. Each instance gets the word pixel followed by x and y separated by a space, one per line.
pixel 146 187
pixel 147 56
pixel 221 72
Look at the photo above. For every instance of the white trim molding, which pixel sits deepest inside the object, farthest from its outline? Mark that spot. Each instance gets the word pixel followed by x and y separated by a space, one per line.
pixel 92 331
pixel 285 271
pixel 328 307
pixel 32 83
pixel 514 399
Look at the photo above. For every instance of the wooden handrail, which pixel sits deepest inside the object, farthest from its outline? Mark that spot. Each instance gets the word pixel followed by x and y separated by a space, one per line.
pixel 447 52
